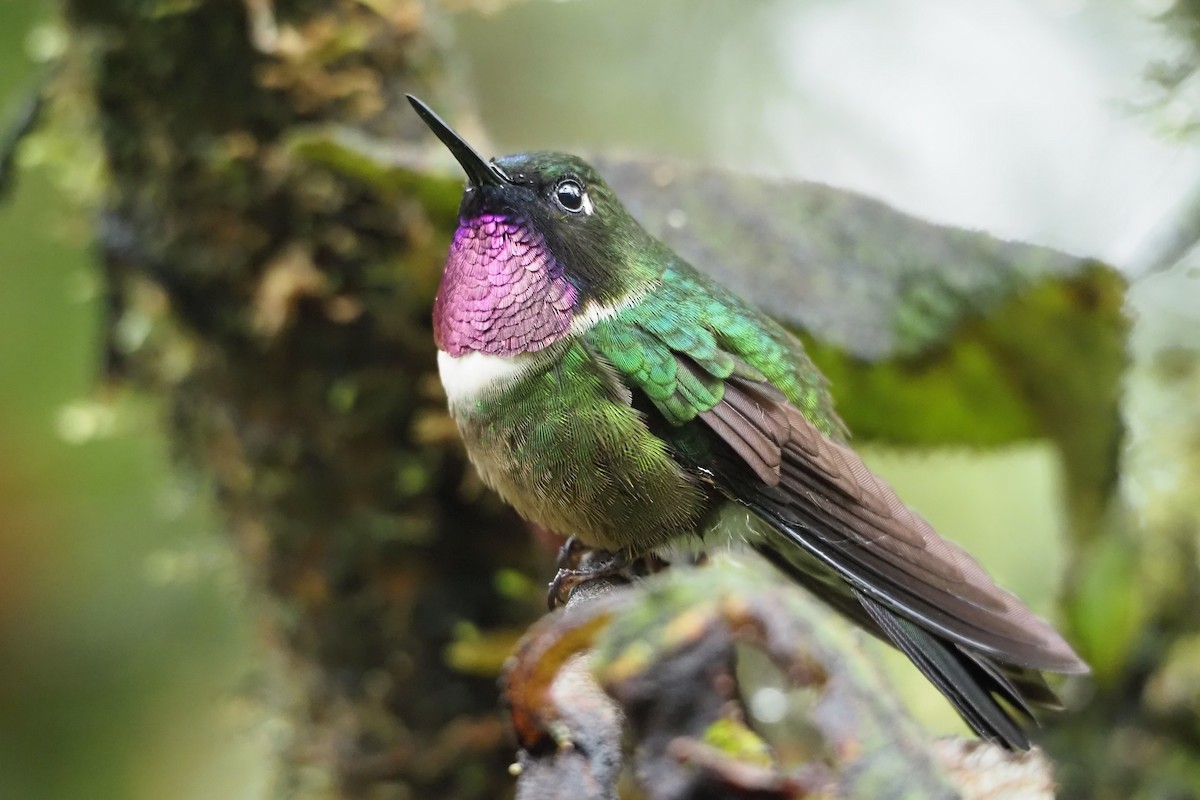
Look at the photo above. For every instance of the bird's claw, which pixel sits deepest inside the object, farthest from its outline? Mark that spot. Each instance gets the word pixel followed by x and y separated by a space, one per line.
pixel 570 554
pixel 577 564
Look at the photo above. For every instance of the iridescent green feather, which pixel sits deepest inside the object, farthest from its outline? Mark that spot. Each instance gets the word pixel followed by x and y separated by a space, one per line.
pixel 689 317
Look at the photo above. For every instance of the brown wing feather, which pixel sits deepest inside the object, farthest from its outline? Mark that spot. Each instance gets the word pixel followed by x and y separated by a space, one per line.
pixel 820 493
pixel 746 427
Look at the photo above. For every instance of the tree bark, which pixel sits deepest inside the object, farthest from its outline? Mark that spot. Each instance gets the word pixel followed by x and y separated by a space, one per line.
pixel 290 306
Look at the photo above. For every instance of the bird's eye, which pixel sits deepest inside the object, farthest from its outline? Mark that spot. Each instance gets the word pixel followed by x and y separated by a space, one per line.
pixel 570 196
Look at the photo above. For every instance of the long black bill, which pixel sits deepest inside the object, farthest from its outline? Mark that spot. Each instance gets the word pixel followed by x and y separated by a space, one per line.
pixel 479 171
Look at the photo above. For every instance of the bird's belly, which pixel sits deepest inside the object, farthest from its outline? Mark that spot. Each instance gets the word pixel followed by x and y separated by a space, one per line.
pixel 569 453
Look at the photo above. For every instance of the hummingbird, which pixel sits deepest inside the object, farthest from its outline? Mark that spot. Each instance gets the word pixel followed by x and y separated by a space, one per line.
pixel 609 391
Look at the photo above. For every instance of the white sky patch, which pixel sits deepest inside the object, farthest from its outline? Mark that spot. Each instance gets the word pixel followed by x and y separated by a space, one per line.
pixel 1007 116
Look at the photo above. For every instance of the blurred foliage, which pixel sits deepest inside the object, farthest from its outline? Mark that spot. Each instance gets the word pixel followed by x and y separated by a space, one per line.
pixel 120 613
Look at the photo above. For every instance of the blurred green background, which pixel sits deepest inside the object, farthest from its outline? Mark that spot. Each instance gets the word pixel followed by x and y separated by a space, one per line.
pixel 123 630
pixel 127 665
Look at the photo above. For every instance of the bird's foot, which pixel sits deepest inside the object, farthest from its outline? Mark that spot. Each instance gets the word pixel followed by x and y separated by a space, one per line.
pixel 570 554
pixel 578 564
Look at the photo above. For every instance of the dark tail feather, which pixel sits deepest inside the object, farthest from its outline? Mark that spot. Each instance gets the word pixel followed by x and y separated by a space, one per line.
pixel 971 682
pixel 1032 687
pixel 968 680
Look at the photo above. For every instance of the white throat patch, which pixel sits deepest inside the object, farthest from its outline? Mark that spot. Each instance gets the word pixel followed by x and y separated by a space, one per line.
pixel 470 376
pixel 474 375
pixel 593 313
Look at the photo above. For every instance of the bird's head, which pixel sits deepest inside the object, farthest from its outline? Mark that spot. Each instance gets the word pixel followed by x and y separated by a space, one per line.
pixel 541 241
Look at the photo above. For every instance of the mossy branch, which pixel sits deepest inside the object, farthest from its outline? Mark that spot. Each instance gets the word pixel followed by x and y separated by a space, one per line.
pixel 656 665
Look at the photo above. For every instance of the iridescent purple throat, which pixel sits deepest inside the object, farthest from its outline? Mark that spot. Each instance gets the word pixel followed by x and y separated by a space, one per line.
pixel 502 293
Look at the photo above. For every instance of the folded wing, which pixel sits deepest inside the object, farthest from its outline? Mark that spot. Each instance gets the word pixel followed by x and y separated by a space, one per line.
pixel 837 523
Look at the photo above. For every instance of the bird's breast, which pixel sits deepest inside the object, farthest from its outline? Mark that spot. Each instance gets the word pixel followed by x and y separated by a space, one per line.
pixel 547 432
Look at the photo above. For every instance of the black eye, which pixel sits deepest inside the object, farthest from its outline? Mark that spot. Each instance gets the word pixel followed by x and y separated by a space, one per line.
pixel 569 195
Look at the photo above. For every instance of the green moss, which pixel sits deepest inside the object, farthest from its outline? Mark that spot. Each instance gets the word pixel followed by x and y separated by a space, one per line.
pixel 737 741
